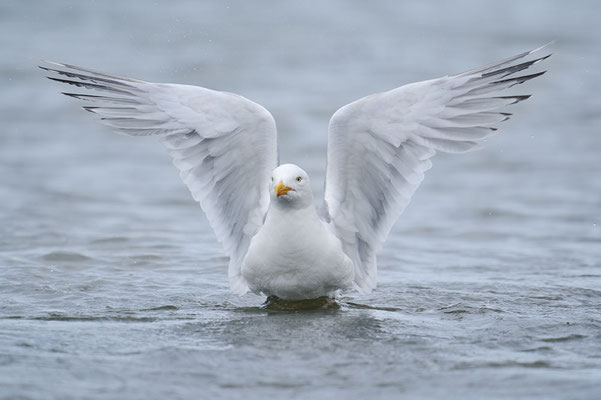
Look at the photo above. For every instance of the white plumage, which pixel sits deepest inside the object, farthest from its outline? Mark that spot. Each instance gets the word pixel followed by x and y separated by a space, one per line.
pixel 295 255
pixel 379 147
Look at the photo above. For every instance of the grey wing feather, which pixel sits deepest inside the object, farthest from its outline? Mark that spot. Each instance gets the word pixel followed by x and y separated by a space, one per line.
pixel 380 146
pixel 224 145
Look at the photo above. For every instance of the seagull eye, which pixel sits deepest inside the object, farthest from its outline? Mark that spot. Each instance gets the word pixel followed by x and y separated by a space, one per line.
pixel 272 178
pixel 298 179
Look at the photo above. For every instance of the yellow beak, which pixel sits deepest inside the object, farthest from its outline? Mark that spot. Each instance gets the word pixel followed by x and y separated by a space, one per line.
pixel 280 189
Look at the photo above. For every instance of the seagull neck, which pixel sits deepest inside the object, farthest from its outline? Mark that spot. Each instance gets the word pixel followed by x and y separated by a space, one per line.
pixel 277 208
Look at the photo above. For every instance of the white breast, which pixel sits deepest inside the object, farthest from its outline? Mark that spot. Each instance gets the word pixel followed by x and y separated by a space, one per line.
pixel 294 257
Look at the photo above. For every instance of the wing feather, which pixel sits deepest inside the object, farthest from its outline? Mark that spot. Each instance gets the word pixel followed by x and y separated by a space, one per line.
pixel 223 144
pixel 379 148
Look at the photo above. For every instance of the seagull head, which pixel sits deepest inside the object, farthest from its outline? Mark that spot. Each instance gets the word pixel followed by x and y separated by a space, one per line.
pixel 290 187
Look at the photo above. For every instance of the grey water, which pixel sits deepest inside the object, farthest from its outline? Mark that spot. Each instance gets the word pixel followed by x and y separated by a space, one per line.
pixel 112 285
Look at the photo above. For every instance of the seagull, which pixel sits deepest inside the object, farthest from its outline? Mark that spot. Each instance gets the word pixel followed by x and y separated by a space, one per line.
pixel 225 147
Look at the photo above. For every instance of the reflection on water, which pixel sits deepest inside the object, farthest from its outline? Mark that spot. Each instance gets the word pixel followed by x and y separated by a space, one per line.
pixel 274 303
pixel 112 285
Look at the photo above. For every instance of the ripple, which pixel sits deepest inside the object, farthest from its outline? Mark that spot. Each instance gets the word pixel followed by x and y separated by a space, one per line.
pixel 368 307
pixel 145 257
pixel 61 255
pixel 563 338
pixel 464 309
pixel 111 240
pixel 85 318
pixel 503 364
pixel 162 308
pixel 531 364
pixel 541 348
pixel 554 297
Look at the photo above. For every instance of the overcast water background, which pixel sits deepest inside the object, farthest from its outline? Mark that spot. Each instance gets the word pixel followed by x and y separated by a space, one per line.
pixel 113 286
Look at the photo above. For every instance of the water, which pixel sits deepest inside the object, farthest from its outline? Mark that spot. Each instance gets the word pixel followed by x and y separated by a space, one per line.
pixel 112 285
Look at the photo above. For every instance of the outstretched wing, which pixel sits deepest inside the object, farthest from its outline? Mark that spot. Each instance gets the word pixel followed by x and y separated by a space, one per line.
pixel 380 146
pixel 224 145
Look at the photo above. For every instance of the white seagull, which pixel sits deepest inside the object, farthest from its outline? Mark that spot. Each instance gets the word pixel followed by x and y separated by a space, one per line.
pixel 379 147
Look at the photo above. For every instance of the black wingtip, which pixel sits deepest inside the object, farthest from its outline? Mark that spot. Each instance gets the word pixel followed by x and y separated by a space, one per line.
pixel 512 69
pixel 520 98
pixel 516 99
pixel 496 65
pixel 74 95
pixel 64 81
pixel 525 77
pixel 545 57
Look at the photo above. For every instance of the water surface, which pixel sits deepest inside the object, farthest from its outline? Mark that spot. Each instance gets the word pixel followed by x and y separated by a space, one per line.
pixel 112 284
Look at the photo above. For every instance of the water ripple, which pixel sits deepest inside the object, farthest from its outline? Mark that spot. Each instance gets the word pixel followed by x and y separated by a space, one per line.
pixel 68 256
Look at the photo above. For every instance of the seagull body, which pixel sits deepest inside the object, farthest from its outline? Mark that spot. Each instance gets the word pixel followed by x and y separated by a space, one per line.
pixel 379 147
pixel 294 255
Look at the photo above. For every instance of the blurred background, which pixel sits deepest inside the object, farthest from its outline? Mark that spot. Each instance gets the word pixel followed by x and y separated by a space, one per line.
pixel 111 281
